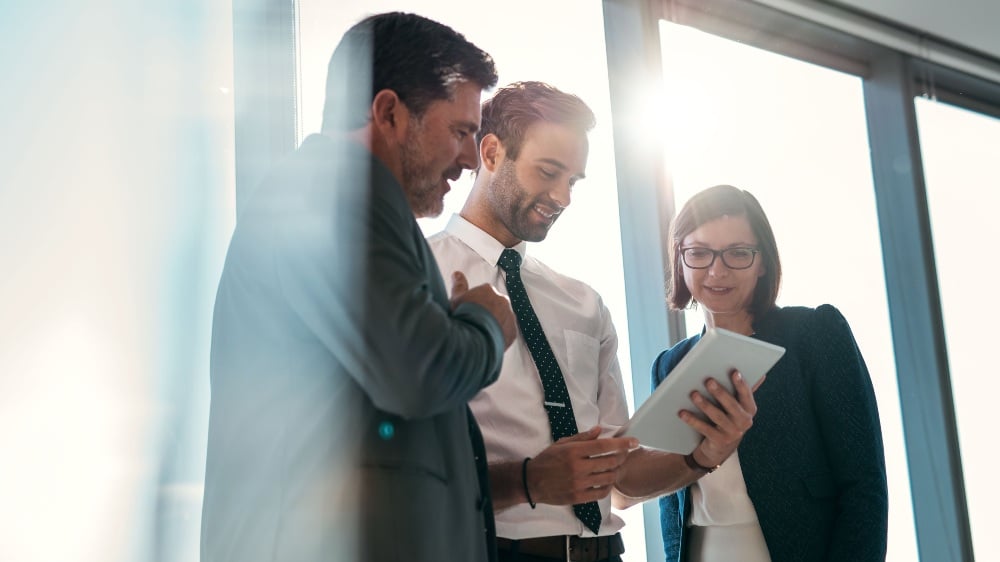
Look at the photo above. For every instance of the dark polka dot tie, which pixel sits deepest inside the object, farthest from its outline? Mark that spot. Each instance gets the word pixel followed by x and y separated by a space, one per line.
pixel 557 402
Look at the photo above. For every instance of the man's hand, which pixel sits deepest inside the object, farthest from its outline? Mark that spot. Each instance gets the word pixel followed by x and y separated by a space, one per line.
pixel 727 423
pixel 487 297
pixel 577 469
pixel 649 473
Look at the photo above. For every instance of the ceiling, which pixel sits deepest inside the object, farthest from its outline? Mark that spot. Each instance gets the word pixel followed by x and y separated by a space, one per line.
pixel 968 23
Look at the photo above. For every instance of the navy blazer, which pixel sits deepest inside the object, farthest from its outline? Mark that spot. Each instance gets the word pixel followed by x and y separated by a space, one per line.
pixel 813 461
pixel 339 428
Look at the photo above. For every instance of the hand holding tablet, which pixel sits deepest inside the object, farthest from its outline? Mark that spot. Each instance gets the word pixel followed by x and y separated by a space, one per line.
pixel 656 423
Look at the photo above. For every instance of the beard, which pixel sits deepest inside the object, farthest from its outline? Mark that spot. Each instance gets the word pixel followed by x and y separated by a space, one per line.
pixel 513 206
pixel 420 183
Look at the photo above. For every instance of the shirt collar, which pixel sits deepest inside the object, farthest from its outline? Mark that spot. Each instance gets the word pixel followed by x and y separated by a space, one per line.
pixel 488 247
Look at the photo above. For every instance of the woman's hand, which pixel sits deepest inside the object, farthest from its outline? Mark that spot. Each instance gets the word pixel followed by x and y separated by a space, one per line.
pixel 727 422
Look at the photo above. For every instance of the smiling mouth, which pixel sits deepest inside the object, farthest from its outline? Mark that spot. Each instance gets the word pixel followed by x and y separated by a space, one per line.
pixel 446 180
pixel 719 289
pixel 548 213
pixel 453 174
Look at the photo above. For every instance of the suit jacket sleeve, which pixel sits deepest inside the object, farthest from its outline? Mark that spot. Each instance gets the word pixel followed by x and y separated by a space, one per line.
pixel 366 285
pixel 848 418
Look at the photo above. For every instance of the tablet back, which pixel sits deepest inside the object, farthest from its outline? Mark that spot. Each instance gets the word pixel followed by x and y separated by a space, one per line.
pixel 716 354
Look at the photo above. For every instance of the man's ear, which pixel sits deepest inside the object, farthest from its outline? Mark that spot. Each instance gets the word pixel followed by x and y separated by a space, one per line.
pixel 491 152
pixel 390 115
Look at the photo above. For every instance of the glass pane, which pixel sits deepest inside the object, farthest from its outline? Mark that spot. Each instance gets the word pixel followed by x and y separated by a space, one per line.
pixel 571 57
pixel 793 134
pixel 959 150
pixel 112 239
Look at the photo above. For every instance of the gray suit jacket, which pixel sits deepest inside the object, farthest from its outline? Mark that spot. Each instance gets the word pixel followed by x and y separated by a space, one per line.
pixel 339 429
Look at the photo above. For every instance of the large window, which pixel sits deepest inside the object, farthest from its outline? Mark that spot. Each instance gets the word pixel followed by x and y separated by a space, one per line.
pixel 960 150
pixel 794 135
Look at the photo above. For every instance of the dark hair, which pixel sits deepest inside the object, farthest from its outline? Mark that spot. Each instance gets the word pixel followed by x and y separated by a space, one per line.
pixel 515 107
pixel 418 58
pixel 707 206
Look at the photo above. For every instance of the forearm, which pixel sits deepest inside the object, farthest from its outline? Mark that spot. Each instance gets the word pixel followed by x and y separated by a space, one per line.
pixel 573 470
pixel 649 473
pixel 507 485
pixel 425 359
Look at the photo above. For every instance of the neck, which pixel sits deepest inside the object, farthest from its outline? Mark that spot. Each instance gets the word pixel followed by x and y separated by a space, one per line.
pixel 740 322
pixel 477 210
pixel 371 139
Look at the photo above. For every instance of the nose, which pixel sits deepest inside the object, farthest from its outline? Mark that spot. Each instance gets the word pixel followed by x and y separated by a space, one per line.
pixel 562 194
pixel 468 153
pixel 718 268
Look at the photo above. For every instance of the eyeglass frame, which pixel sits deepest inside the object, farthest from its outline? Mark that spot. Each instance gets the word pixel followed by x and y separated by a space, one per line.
pixel 720 254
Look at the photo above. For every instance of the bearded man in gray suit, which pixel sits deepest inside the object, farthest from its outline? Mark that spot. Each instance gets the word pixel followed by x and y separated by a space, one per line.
pixel 340 367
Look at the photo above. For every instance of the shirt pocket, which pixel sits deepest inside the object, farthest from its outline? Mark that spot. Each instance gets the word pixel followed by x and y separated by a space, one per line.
pixel 582 357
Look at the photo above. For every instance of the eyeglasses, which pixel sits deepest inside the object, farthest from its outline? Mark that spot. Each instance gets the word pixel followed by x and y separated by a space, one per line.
pixel 733 258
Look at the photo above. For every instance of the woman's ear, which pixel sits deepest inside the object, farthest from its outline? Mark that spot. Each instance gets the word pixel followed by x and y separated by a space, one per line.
pixel 490 152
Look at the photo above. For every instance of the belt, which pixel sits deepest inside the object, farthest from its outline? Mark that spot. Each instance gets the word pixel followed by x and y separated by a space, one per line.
pixel 566 547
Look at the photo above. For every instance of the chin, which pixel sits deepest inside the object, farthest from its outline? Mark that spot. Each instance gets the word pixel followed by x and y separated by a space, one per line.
pixel 536 234
pixel 531 237
pixel 427 211
pixel 433 212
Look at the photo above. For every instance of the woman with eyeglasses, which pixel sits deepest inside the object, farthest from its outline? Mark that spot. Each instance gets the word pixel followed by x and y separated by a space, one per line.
pixel 807 482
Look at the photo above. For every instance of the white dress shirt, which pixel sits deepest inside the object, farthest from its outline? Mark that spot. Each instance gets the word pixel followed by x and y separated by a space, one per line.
pixel 510 413
pixel 721 498
pixel 723 519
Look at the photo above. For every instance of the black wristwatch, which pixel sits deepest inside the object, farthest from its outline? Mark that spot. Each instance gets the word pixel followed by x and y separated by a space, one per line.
pixel 695 466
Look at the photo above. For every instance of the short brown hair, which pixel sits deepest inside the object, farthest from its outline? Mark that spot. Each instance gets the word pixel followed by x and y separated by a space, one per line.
pixel 706 206
pixel 516 107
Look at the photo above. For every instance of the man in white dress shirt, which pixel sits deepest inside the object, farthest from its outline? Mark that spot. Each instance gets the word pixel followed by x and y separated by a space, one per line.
pixel 533 149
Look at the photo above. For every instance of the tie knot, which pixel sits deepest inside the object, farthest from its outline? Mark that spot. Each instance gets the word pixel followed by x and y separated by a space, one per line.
pixel 510 261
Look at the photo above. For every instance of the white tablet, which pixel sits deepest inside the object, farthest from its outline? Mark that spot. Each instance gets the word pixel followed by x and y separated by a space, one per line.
pixel 719 351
